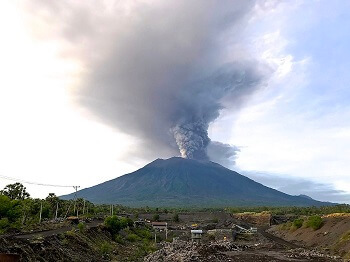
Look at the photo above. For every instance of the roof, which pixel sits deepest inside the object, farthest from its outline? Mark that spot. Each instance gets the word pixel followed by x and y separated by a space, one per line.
pixel 197 231
pixel 159 224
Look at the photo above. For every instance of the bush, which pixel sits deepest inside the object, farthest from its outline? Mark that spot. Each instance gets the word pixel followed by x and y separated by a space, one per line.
pixel 216 220
pixel 105 248
pixel 81 227
pixel 4 223
pixel 144 233
pixel 297 223
pixel 115 224
pixel 119 239
pixel 156 217
pixel 176 217
pixel 132 237
pixel 315 222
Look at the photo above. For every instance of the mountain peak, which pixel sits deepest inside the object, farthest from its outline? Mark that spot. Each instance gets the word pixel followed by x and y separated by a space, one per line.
pixel 187 182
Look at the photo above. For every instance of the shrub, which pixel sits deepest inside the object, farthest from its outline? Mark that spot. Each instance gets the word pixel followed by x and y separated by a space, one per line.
pixel 4 223
pixel 144 233
pixel 132 237
pixel 156 217
pixel 176 217
pixel 119 239
pixel 297 223
pixel 105 248
pixel 216 220
pixel 315 222
pixel 115 224
pixel 81 227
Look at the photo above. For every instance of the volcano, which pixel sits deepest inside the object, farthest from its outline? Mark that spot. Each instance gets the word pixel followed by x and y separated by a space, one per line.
pixel 180 182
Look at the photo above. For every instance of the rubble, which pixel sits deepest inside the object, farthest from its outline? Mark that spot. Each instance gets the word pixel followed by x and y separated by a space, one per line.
pixel 190 252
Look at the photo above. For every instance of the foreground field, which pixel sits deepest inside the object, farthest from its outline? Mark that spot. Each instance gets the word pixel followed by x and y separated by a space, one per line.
pixel 96 241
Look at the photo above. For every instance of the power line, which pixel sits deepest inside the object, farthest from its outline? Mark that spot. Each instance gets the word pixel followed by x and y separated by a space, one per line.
pixel 32 183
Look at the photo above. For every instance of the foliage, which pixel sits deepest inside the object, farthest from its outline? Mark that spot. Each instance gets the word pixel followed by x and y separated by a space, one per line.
pixel 297 223
pixel 300 211
pixel 176 217
pixel 132 238
pixel 156 217
pixel 119 239
pixel 114 224
pixel 15 191
pixel 81 227
pixel 315 222
pixel 105 249
pixel 215 220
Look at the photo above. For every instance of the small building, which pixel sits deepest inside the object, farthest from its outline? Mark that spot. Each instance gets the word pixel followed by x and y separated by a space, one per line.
pixel 160 226
pixel 196 235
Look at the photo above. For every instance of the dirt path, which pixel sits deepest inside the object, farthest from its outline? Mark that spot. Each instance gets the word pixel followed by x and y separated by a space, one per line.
pixel 57 231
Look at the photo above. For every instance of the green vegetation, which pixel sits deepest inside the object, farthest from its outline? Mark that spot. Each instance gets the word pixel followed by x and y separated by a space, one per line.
pixel 156 217
pixel 176 218
pixel 315 222
pixel 298 223
pixel 15 191
pixel 300 211
pixel 132 238
pixel 105 249
pixel 114 224
pixel 81 227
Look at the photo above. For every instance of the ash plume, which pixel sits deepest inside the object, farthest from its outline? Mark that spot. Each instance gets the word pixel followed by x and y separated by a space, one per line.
pixel 161 71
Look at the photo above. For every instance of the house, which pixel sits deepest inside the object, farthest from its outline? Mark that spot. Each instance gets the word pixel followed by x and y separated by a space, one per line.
pixel 196 235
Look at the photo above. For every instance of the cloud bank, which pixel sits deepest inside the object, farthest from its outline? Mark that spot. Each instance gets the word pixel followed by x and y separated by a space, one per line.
pixel 160 71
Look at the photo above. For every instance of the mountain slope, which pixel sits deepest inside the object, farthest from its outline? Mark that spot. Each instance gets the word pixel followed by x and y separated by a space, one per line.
pixel 185 182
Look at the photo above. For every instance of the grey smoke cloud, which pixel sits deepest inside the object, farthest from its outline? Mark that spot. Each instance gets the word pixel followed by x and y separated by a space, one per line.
pixel 161 71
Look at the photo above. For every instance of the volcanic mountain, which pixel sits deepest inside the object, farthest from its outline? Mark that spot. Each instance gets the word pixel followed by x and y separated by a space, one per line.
pixel 183 182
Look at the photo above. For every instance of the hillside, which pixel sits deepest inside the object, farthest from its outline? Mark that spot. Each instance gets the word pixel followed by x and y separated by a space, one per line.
pixel 185 182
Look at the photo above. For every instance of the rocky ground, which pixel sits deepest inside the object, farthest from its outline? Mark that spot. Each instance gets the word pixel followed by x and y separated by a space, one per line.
pixel 227 251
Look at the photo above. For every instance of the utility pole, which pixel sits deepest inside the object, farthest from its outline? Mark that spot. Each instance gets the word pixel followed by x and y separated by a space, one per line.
pixel 41 210
pixel 75 197
pixel 112 209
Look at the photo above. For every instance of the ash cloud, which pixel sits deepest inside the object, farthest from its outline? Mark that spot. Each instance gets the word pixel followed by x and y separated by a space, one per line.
pixel 161 71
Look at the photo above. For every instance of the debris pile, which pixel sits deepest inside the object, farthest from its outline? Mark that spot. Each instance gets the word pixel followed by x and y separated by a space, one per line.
pixel 191 252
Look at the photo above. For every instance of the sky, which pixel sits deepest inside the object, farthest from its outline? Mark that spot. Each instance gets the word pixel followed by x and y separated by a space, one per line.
pixel 91 91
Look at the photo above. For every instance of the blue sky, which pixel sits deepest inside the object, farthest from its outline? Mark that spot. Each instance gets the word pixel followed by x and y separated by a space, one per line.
pixel 293 134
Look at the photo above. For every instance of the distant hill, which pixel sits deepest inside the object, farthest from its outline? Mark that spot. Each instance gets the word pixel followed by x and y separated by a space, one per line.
pixel 177 182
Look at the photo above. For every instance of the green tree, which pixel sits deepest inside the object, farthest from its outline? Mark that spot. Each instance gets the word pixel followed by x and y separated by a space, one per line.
pixel 15 191
pixel 176 217
pixel 156 217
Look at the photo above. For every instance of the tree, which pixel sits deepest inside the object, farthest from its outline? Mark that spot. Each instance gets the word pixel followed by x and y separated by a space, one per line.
pixel 15 191
pixel 176 217
pixel 156 217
